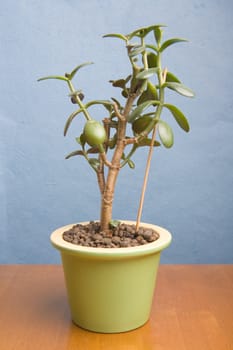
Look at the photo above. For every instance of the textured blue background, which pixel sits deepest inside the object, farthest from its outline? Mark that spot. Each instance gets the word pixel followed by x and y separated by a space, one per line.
pixel 190 187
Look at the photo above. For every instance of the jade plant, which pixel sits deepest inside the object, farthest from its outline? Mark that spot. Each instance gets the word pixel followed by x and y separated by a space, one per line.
pixel 133 122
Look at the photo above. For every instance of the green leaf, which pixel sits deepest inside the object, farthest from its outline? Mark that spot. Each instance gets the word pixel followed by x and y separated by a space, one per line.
pixel 131 164
pixel 125 93
pixel 142 32
pixel 139 109
pixel 171 42
pixel 158 34
pixel 123 156
pixel 149 94
pixel 136 51
pixel 118 83
pixel 179 116
pixel 170 77
pixel 147 73
pixel 98 102
pixel 152 47
pixel 107 104
pixel 76 69
pixel 128 78
pixel 147 142
pixel 117 103
pixel 93 150
pixel 116 35
pixel 180 88
pixel 70 119
pixel 112 141
pixel 81 140
pixel 75 153
pixel 94 163
pixel 54 77
pixel 151 59
pixel 165 134
pixel 114 223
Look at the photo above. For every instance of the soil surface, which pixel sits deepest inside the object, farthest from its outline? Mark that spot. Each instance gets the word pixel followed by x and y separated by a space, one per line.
pixel 122 236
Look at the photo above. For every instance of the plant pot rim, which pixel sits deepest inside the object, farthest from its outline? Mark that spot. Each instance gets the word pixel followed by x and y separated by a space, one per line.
pixel 150 248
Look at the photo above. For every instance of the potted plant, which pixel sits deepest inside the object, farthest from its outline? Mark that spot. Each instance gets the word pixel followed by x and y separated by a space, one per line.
pixel 110 266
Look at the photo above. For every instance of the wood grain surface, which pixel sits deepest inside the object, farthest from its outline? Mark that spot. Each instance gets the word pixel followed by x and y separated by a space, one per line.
pixel 192 310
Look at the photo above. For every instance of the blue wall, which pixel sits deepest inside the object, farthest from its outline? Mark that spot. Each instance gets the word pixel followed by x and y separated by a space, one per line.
pixel 190 187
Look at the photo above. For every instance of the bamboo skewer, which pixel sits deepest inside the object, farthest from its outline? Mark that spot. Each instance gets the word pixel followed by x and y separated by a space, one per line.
pixel 148 163
pixel 162 80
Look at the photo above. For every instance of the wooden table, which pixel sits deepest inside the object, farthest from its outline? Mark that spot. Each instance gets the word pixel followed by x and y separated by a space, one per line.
pixel 193 310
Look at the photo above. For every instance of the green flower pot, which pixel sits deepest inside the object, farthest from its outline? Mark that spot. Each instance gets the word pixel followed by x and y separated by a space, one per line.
pixel 110 290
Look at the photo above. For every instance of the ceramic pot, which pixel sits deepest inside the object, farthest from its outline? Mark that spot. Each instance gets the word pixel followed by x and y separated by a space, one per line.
pixel 110 290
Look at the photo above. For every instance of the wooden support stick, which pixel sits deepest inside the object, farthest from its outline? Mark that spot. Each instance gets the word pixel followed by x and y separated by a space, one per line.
pixel 145 179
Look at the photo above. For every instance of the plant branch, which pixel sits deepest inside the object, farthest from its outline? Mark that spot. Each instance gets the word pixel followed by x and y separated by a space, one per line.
pixel 130 141
pixel 127 158
pixel 100 176
pixel 107 162
pixel 118 114
pixel 78 100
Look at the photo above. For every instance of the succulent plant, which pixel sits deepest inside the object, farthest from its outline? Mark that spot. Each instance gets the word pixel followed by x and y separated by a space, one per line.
pixel 106 145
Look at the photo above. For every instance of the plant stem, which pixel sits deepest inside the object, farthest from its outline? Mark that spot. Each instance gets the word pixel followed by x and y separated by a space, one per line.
pixel 127 158
pixel 144 55
pixel 81 105
pixel 108 194
pixel 100 176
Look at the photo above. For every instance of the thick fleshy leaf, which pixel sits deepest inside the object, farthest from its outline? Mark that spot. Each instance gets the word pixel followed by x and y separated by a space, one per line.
pixel 152 60
pixel 142 32
pixel 94 163
pixel 123 156
pixel 147 73
pixel 93 150
pixel 125 93
pixel 152 47
pixel 98 102
pixel 114 223
pixel 147 142
pixel 118 83
pixel 170 77
pixel 70 119
pixel 117 103
pixel 180 88
pixel 149 94
pixel 139 109
pixel 81 140
pixel 165 134
pixel 112 141
pixel 76 69
pixel 53 77
pixel 179 116
pixel 116 35
pixel 158 34
pixel 107 104
pixel 75 153
pixel 171 42
pixel 128 78
pixel 131 164
pixel 136 51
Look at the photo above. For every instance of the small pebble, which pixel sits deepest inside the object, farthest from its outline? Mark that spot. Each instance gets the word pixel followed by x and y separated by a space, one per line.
pixel 107 240
pixel 97 237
